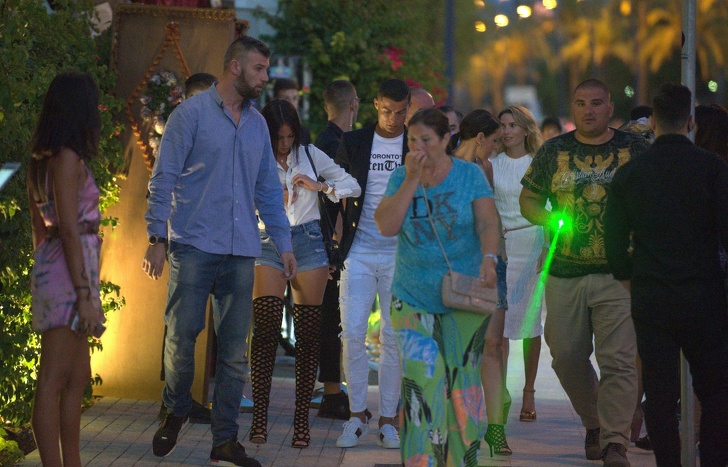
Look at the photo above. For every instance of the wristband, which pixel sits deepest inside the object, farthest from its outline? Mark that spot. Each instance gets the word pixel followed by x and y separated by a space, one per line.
pixel 331 188
pixel 492 256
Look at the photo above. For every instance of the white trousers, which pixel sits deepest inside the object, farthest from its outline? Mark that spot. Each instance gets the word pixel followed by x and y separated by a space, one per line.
pixel 365 275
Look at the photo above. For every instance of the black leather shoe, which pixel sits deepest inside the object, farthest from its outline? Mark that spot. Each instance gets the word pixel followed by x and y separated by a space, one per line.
pixel 198 414
pixel 232 453
pixel 591 445
pixel 165 439
pixel 335 406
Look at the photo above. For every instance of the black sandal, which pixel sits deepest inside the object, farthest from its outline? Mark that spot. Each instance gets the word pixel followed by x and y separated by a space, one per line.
pixel 258 435
pixel 301 440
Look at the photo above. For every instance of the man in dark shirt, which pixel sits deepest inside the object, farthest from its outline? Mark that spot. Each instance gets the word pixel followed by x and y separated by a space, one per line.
pixel 673 201
pixel 588 311
pixel 341 105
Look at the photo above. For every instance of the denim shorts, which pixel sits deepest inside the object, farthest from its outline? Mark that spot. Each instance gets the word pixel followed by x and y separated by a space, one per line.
pixel 308 248
pixel 500 271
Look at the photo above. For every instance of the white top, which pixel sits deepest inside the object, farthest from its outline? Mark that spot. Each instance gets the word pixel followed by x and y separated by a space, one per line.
pixel 385 157
pixel 305 208
pixel 507 175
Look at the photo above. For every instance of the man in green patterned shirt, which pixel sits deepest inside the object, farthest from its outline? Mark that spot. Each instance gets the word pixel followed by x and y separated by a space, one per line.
pixel 584 302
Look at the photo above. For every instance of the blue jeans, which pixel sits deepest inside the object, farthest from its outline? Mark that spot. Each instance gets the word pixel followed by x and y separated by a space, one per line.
pixel 193 276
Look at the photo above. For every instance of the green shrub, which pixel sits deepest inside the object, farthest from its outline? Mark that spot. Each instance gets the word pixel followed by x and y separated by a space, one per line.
pixel 35 45
pixel 364 41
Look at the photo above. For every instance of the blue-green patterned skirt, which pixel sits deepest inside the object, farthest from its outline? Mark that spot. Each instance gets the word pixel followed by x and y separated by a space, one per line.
pixel 443 410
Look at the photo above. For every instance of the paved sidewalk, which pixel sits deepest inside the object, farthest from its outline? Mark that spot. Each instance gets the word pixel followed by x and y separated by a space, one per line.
pixel 119 432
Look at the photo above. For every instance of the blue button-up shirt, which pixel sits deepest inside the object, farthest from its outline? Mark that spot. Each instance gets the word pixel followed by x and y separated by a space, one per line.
pixel 209 177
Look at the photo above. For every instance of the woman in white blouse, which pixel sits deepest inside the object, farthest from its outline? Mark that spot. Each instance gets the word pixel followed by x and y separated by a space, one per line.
pixel 301 189
pixel 520 139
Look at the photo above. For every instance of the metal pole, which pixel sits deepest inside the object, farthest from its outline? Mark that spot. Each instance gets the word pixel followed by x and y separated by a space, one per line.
pixel 450 49
pixel 686 383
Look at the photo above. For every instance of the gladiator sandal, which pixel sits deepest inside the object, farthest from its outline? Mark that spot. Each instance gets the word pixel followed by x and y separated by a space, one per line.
pixel 307 320
pixel 267 316
pixel 496 439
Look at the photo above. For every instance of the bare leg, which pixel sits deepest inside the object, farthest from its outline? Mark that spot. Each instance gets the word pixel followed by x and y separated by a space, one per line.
pixel 71 401
pixel 64 367
pixel 492 370
pixel 531 353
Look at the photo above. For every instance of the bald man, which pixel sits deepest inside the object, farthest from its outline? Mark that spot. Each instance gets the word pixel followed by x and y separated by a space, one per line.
pixel 420 99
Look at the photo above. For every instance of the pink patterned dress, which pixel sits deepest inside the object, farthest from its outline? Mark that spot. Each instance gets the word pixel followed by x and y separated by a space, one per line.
pixel 52 290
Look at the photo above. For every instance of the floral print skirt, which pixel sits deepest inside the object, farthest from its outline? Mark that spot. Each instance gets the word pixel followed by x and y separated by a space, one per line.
pixel 442 410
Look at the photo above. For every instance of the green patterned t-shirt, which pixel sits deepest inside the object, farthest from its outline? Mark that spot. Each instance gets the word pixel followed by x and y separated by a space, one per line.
pixel 575 178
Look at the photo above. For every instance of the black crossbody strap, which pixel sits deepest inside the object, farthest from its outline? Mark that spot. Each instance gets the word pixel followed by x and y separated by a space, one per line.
pixel 322 205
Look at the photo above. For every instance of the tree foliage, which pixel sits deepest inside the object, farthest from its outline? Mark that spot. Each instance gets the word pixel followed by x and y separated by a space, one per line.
pixel 365 42
pixel 35 46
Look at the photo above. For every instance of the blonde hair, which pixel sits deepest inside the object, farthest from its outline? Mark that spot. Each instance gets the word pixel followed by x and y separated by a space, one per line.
pixel 524 118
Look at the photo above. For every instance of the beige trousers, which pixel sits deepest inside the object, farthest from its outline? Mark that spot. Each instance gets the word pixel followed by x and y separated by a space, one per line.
pixel 592 314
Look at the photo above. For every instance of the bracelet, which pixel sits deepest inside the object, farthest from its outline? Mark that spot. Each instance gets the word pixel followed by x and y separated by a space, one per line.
pixel 321 186
pixel 331 188
pixel 492 256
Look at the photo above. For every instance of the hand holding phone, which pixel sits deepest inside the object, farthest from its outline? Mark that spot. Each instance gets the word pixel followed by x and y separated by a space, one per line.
pixel 96 332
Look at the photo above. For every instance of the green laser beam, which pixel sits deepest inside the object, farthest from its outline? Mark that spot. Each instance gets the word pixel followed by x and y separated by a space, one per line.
pixel 534 303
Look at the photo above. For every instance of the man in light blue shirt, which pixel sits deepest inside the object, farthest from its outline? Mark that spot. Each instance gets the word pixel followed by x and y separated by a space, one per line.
pixel 215 167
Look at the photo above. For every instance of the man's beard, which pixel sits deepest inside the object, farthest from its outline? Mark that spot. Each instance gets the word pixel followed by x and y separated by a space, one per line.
pixel 244 89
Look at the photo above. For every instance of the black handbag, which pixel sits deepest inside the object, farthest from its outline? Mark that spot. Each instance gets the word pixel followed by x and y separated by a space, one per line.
pixel 327 225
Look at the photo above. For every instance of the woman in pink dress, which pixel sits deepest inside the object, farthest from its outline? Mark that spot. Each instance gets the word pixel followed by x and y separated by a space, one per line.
pixel 64 206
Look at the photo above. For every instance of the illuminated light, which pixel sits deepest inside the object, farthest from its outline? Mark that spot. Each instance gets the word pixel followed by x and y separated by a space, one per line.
pixel 713 86
pixel 523 11
pixel 629 91
pixel 549 4
pixel 480 26
pixel 625 7
pixel 501 21
pixel 480 3
pixel 559 222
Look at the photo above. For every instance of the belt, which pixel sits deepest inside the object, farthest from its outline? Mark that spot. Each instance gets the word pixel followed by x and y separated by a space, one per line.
pixel 83 229
pixel 505 231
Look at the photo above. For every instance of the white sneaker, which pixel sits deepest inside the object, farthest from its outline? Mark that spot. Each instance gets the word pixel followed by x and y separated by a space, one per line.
pixel 354 429
pixel 388 437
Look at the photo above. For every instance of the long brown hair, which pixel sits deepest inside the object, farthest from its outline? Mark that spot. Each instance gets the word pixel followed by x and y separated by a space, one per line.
pixel 70 118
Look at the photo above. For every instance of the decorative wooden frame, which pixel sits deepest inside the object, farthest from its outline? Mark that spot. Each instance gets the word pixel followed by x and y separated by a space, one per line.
pixel 171 43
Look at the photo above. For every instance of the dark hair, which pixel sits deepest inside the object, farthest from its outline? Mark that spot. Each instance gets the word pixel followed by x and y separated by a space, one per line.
pixel 431 118
pixel 448 108
pixel 711 133
pixel 339 94
pixel 394 89
pixel 242 45
pixel 552 121
pixel 70 118
pixel 671 106
pixel 284 84
pixel 478 121
pixel 277 113
pixel 641 111
pixel 592 83
pixel 198 82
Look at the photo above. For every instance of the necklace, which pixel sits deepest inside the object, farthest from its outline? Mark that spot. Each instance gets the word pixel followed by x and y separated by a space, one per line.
pixel 437 174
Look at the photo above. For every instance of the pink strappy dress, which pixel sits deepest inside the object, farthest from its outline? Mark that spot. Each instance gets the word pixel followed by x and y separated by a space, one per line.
pixel 53 294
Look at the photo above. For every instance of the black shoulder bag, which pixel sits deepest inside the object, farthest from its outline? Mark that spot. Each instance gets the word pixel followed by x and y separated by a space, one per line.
pixel 327 225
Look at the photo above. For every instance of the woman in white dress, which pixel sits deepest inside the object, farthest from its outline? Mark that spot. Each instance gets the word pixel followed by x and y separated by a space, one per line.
pixel 520 139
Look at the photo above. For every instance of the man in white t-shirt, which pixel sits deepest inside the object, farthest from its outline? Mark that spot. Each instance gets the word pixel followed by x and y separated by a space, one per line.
pixel 370 155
